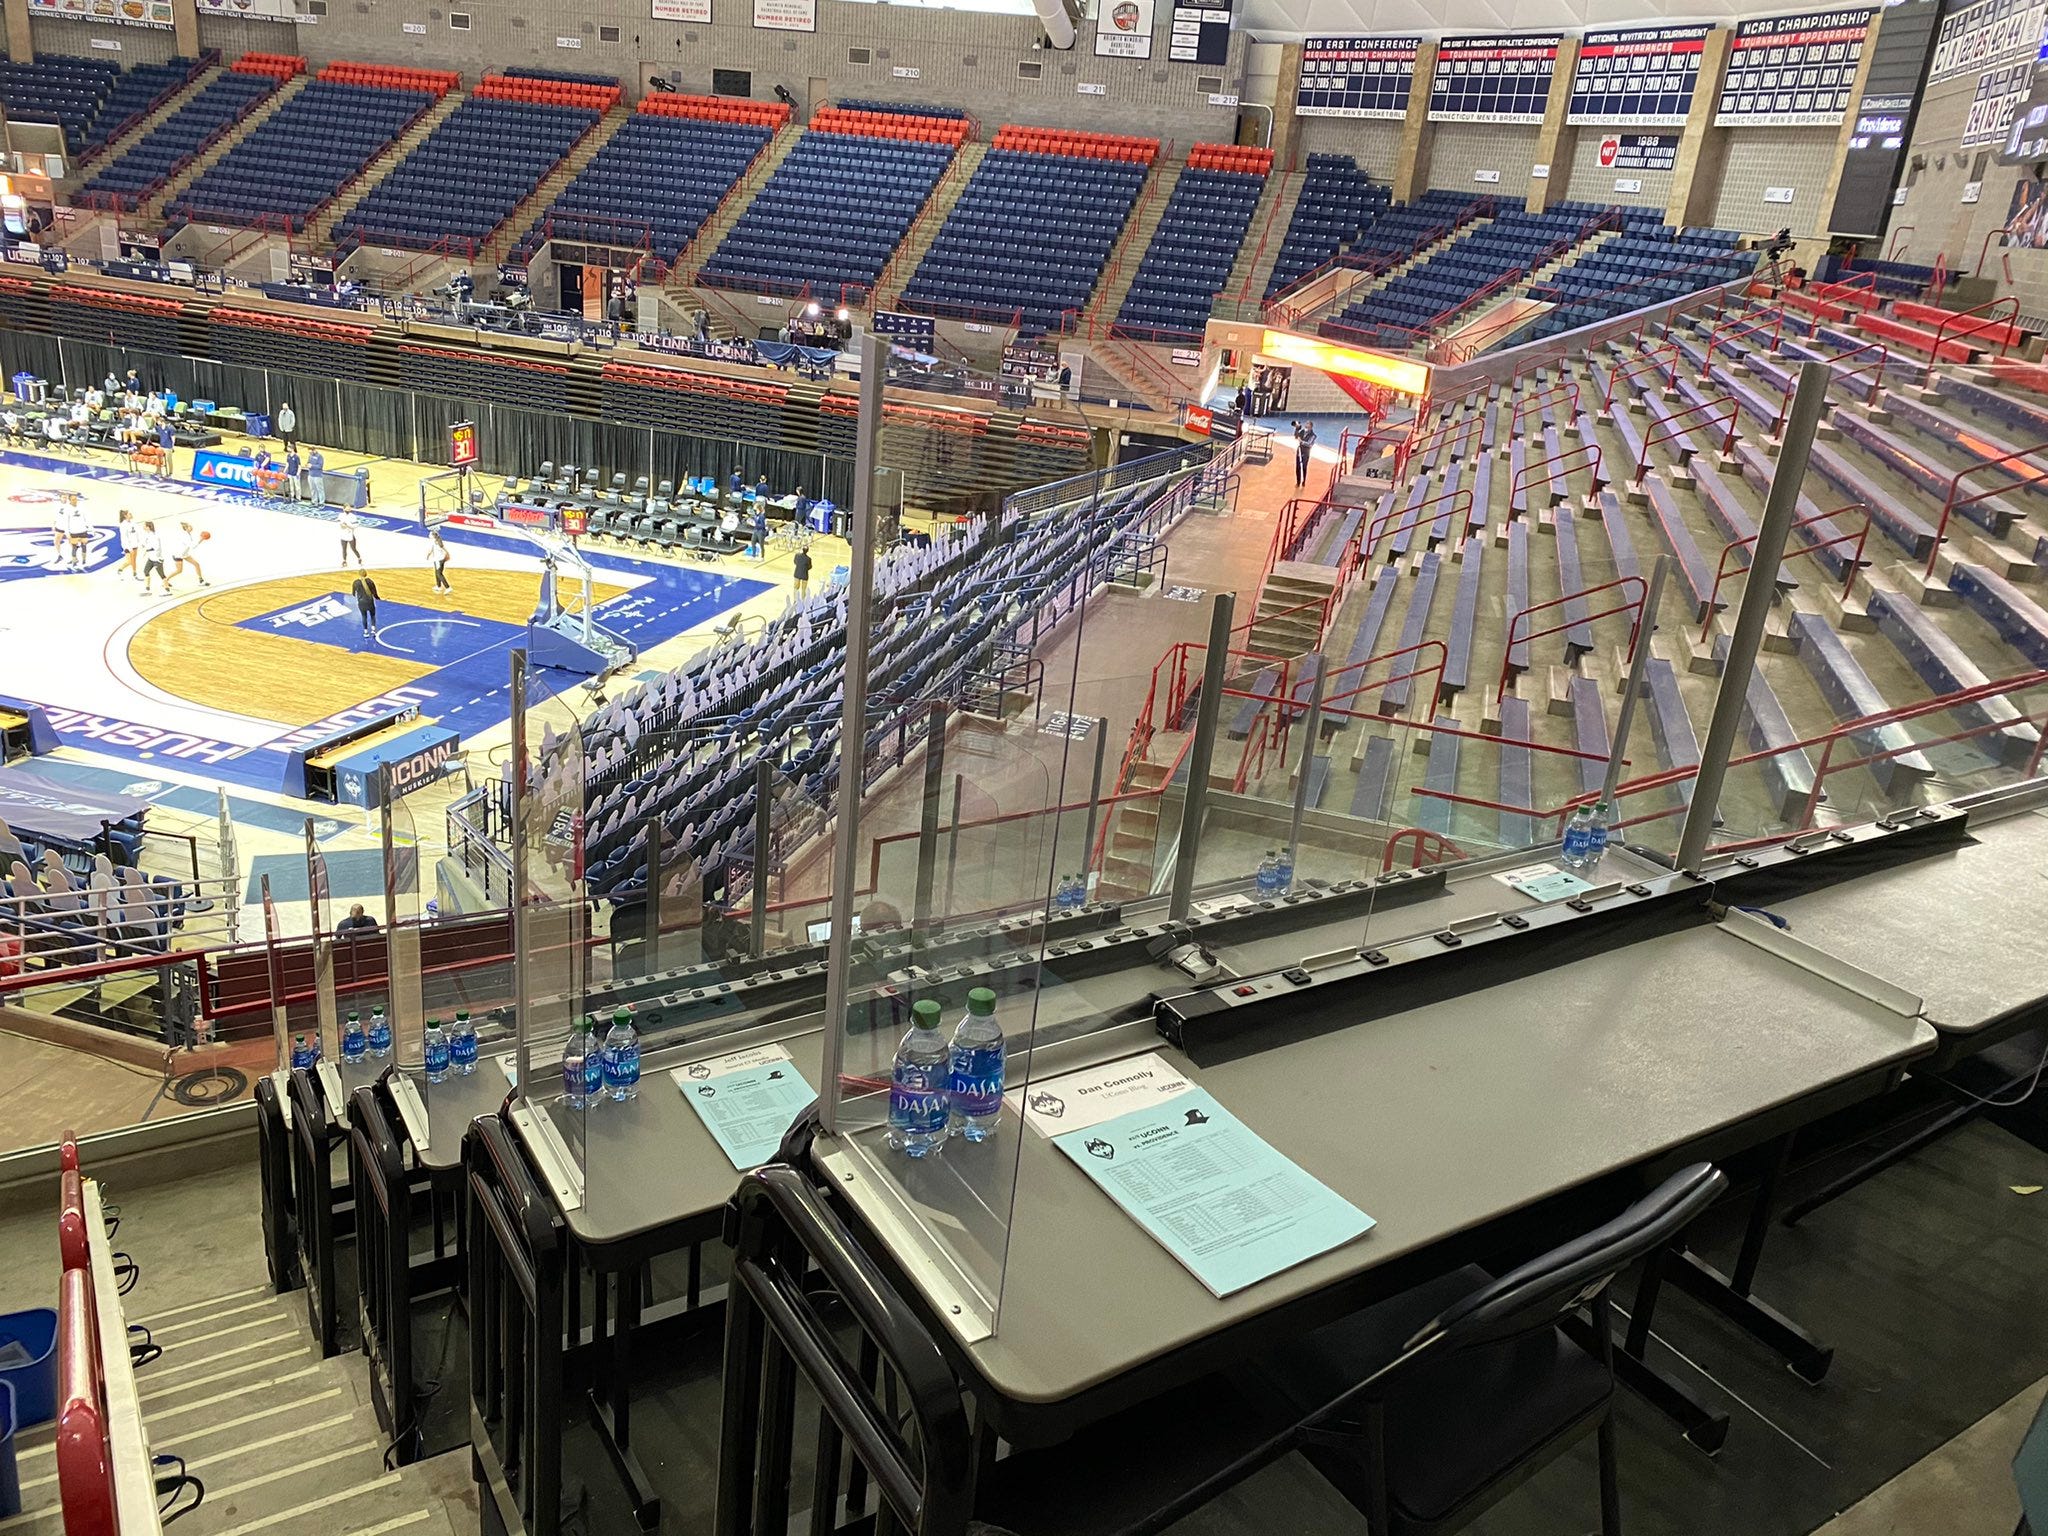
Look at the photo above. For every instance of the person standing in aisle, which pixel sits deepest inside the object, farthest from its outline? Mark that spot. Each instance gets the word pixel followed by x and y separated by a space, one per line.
pixel 364 590
pixel 801 570
pixel 1304 445
pixel 185 551
pixel 288 425
pixel 153 559
pixel 760 547
pixel 316 479
pixel 437 557
pixel 346 526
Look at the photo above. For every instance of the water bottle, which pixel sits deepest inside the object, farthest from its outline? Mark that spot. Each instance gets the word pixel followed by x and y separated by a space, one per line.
pixel 1283 872
pixel 976 1084
pixel 1578 838
pixel 1073 893
pixel 303 1055
pixel 462 1044
pixel 920 1100
pixel 582 1069
pixel 354 1045
pixel 1596 834
pixel 436 1052
pixel 380 1035
pixel 622 1057
pixel 1268 880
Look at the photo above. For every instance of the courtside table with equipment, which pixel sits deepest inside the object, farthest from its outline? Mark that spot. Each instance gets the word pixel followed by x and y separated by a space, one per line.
pixel 1443 1121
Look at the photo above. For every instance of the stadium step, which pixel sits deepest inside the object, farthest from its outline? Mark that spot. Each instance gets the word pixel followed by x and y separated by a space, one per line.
pixel 550 187
pixel 153 210
pixel 931 218
pixel 321 231
pixel 1129 251
pixel 1264 236
pixel 83 170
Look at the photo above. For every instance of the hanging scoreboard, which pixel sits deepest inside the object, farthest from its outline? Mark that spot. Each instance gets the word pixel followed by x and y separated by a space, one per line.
pixel 1492 79
pixel 1356 77
pixel 1637 79
pixel 1793 71
pixel 1876 151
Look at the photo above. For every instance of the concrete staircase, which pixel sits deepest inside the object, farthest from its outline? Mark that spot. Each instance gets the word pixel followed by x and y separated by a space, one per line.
pixel 1284 624
pixel 897 272
pixel 282 1439
pixel 551 187
pixel 321 230
pixel 1128 253
pixel 154 208
pixel 1131 854
pixel 1255 262
pixel 120 144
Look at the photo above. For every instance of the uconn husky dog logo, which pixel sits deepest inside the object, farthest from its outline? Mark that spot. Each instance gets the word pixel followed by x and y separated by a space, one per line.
pixel 36 550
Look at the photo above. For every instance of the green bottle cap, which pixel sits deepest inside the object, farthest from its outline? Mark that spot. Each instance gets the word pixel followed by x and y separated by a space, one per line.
pixel 462 1015
pixel 353 1015
pixel 981 1000
pixel 925 1014
pixel 622 1016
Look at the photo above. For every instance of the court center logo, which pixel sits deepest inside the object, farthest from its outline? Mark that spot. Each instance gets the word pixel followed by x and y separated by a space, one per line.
pixel 38 550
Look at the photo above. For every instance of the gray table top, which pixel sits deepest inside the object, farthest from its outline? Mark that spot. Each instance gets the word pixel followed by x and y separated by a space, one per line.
pixel 1433 1122
pixel 650 1163
pixel 1962 928
pixel 452 1104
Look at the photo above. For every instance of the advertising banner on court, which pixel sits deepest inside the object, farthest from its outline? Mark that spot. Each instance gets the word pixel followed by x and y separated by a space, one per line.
pixel 211 467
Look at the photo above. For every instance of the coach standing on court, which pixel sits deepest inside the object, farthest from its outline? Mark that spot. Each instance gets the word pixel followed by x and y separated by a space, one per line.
pixel 364 590
pixel 288 425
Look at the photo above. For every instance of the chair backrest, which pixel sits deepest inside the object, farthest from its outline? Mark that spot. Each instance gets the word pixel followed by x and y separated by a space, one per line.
pixel 1552 1285
pixel 792 1257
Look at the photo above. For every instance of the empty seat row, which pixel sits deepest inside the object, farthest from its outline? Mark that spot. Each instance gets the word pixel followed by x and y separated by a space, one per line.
pixel 1192 250
pixel 89 99
pixel 141 170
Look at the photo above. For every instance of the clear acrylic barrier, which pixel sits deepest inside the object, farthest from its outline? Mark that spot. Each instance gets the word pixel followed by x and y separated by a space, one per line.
pixel 326 1027
pixel 407 993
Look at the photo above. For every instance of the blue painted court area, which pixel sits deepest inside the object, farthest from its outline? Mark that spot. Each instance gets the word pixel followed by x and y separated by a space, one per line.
pixel 352 875
pixel 428 636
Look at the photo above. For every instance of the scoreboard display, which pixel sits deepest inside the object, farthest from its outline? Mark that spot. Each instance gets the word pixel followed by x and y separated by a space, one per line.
pixel 1493 79
pixel 1637 79
pixel 1356 77
pixel 1793 71
pixel 1884 118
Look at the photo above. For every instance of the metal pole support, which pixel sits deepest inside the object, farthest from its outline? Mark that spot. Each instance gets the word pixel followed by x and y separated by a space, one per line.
pixel 1208 715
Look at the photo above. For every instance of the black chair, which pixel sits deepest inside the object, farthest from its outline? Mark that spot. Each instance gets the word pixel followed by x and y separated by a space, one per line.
pixel 1423 1410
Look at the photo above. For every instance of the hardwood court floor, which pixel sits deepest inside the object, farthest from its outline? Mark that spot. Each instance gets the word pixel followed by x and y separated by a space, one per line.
pixel 198 652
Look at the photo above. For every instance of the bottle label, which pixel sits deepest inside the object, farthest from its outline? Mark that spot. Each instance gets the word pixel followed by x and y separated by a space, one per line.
pixel 575 1081
pixel 918 1101
pixel 463 1050
pixel 593 1073
pixel 977 1080
pixel 437 1055
pixel 1576 841
pixel 622 1065
pixel 380 1035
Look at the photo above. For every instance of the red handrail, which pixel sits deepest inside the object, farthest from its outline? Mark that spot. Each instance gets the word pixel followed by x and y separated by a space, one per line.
pixel 1433 846
pixel 1862 537
pixel 1569 389
pixel 85 1471
pixel 1435 437
pixel 1751 325
pixel 2009 302
pixel 1898 243
pixel 1950 504
pixel 1874 368
pixel 1631 367
pixel 1587 456
pixel 1856 282
pixel 1642 592
pixel 1717 412
pixel 1460 500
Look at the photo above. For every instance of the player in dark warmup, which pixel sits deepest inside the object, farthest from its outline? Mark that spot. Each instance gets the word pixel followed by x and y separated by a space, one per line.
pixel 364 590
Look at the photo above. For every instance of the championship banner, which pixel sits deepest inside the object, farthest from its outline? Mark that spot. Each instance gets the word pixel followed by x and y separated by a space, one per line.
pixel 1793 71
pixel 1356 77
pixel 1637 79
pixel 1493 79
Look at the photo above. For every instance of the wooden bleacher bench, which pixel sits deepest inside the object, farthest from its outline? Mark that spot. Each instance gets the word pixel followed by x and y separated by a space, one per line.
pixel 1988 329
pixel 2019 620
pixel 1441 774
pixel 1589 733
pixel 1671 725
pixel 1905 528
pixel 1693 569
pixel 1517 773
pixel 1464 615
pixel 1370 799
pixel 1571 578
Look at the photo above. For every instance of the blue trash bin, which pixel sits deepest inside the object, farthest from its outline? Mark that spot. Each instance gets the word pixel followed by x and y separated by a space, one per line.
pixel 28 1363
pixel 10 1474
pixel 259 424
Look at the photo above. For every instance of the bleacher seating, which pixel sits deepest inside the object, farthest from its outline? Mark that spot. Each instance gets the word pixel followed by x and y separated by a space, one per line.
pixel 91 99
pixel 653 185
pixel 478 165
pixel 174 143
pixel 1633 269
pixel 1336 201
pixel 832 214
pixel 1029 238
pixel 1410 306
pixel 312 147
pixel 1196 243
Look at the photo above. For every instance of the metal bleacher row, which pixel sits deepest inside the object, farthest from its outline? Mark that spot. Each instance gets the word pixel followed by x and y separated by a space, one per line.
pixel 1033 230
pixel 834 211
pixel 1196 243
pixel 143 169
pixel 479 164
pixel 297 160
